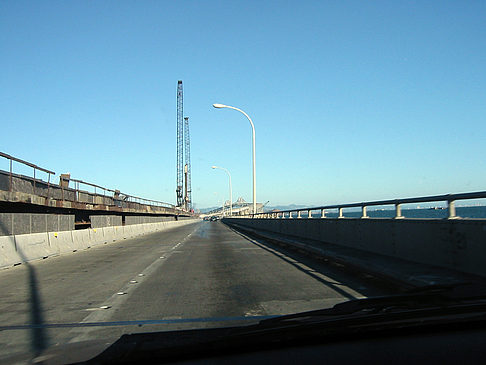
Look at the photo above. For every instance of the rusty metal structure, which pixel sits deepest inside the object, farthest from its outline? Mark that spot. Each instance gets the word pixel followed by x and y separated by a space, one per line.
pixel 34 167
pixel 30 193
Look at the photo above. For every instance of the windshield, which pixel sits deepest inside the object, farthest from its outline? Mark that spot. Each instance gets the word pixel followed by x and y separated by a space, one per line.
pixel 184 165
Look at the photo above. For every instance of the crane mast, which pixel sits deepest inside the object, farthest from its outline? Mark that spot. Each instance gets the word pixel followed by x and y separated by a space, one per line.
pixel 187 167
pixel 180 137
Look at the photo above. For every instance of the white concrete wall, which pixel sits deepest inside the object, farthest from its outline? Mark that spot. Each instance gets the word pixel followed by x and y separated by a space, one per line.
pixel 16 249
pixel 458 244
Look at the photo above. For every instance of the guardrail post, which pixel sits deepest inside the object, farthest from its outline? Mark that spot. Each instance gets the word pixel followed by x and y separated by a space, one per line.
pixel 340 213
pixel 398 211
pixel 309 214
pixel 323 213
pixel 48 185
pixel 451 207
pixel 10 187
pixel 33 189
pixel 298 214
pixel 363 212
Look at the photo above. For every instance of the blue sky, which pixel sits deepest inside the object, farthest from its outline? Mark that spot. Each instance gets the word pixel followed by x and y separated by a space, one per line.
pixel 351 100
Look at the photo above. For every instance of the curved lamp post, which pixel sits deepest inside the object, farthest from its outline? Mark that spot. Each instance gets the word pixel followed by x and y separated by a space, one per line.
pixel 230 189
pixel 220 106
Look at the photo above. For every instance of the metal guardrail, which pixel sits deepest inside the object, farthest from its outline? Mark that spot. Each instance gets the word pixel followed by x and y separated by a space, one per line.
pixel 35 167
pixel 449 198
pixel 117 196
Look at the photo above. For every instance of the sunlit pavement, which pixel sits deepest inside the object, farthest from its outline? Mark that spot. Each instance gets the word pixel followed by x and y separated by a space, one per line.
pixel 202 271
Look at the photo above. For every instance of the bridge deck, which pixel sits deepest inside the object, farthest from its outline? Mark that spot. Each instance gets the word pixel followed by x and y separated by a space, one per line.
pixel 202 270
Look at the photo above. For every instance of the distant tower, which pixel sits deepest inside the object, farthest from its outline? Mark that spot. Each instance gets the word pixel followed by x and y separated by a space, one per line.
pixel 187 167
pixel 180 157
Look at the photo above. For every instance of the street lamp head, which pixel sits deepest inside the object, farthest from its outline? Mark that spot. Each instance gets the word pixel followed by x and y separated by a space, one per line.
pixel 213 167
pixel 219 106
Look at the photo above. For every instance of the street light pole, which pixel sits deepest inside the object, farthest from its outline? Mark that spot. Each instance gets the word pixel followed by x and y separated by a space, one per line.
pixel 230 188
pixel 219 106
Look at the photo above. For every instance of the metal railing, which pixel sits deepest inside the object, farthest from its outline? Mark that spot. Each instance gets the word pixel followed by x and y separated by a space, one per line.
pixel 117 195
pixel 112 194
pixel 450 199
pixel 35 167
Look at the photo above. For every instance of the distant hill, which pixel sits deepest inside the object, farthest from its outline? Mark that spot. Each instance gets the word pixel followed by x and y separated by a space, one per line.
pixel 205 210
pixel 267 207
pixel 283 207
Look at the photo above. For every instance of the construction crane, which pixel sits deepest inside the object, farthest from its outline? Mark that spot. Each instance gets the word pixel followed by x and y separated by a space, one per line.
pixel 187 166
pixel 180 141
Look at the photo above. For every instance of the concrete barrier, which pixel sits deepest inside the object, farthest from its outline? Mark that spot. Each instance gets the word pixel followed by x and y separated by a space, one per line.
pixel 34 246
pixel 62 242
pixel 9 255
pixel 109 234
pixel 96 236
pixel 81 239
pixel 128 232
pixel 458 244
pixel 27 247
pixel 146 228
pixel 137 229
pixel 119 233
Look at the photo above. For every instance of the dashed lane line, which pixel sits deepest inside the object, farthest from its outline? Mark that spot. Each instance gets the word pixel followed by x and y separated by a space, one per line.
pixel 111 304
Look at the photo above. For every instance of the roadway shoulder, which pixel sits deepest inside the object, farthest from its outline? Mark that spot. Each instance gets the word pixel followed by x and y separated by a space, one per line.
pixel 406 274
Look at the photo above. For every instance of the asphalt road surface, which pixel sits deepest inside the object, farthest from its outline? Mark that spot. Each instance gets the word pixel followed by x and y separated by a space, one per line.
pixel 199 275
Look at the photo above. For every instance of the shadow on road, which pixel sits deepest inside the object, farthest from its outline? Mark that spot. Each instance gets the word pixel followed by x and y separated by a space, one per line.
pixel 354 281
pixel 38 335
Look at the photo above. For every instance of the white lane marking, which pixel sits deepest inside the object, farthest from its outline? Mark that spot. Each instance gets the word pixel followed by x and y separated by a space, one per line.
pixel 98 309
pixel 115 301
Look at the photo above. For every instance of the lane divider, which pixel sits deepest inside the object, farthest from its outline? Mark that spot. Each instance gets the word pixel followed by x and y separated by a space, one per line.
pixel 116 300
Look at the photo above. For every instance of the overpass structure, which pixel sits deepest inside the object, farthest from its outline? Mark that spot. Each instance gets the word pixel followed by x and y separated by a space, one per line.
pixel 86 204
